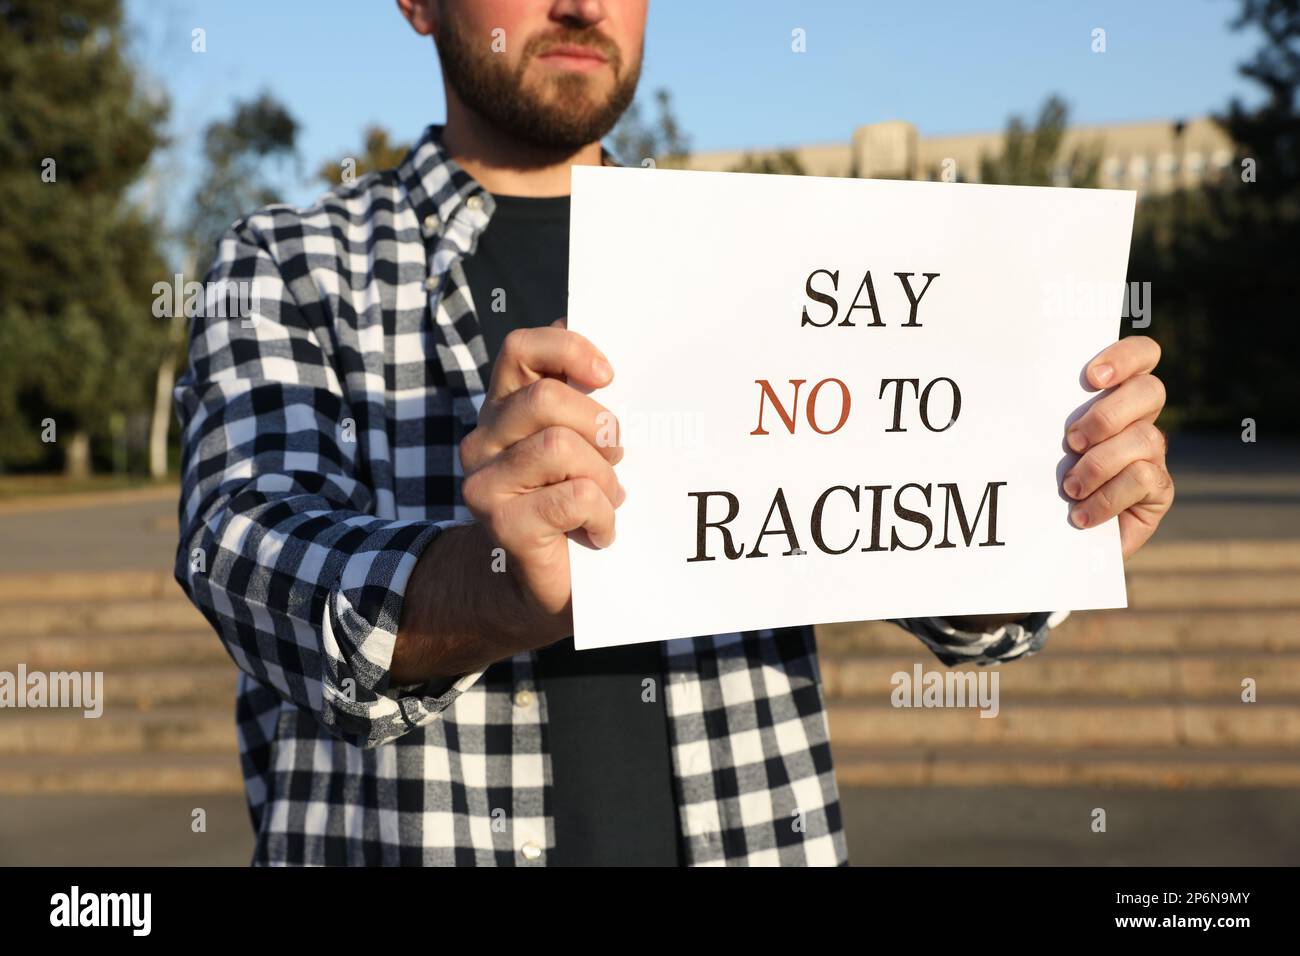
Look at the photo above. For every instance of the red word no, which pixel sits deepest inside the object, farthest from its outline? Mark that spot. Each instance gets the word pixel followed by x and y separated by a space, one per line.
pixel 789 416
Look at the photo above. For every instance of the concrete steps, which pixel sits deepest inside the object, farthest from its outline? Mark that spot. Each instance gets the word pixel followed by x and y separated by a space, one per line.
pixel 1137 768
pixel 197 648
pixel 1070 727
pixel 1144 697
pixel 99 616
pixel 170 730
pixel 1136 631
pixel 1070 676
pixel 168 720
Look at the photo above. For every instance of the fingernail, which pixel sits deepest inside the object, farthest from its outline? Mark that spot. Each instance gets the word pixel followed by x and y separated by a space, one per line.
pixel 1074 438
pixel 1072 487
pixel 1103 374
pixel 603 372
pixel 1080 517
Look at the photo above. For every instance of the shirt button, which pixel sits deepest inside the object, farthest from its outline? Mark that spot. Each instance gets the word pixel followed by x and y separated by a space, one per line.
pixel 524 698
pixel 531 851
pixel 430 284
pixel 430 223
pixel 475 203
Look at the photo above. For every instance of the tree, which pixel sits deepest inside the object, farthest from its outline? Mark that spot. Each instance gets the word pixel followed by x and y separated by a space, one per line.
pixel 377 154
pixel 234 182
pixel 783 162
pixel 1221 259
pixel 236 155
pixel 1035 157
pixel 76 258
pixel 1271 134
pixel 662 140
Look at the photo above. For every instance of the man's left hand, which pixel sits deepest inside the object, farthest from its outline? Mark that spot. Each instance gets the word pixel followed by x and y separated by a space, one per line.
pixel 1122 469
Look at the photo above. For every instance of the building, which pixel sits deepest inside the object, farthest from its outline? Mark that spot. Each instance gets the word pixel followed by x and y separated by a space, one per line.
pixel 1146 157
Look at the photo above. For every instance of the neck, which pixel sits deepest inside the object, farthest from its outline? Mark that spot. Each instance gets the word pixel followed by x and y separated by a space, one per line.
pixel 505 165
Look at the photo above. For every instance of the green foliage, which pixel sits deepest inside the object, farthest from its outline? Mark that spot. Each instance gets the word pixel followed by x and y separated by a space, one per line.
pixel 784 163
pixel 1271 134
pixel 236 153
pixel 77 260
pixel 1035 157
pixel 233 182
pixel 1222 260
pixel 636 139
pixel 377 154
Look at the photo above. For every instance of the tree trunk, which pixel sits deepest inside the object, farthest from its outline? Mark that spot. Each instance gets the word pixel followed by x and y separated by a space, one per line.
pixel 161 420
pixel 76 459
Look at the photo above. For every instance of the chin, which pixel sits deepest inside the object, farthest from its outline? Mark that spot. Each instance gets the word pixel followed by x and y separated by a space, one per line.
pixel 568 88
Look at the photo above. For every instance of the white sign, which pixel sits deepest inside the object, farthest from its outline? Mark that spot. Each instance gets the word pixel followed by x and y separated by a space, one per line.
pixel 841 399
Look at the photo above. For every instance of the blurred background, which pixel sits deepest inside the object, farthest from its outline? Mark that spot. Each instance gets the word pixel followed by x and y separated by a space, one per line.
pixel 132 133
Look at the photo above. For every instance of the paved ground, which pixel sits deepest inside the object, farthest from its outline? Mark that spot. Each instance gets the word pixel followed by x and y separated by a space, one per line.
pixel 1229 489
pixel 140 534
pixel 1032 827
pixel 75 830
pixel 994 827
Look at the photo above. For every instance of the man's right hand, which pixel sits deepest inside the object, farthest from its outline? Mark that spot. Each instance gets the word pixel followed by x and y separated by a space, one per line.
pixel 541 462
pixel 539 465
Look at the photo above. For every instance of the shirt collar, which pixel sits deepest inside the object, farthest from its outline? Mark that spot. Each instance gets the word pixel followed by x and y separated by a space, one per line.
pixel 439 189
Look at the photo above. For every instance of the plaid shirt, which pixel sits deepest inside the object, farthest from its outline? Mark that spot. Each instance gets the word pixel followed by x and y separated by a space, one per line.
pixel 321 458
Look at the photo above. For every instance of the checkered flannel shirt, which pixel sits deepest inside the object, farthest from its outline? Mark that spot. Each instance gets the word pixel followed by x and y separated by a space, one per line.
pixel 320 442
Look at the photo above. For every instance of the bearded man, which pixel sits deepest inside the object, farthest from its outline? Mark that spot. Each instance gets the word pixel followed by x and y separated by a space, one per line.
pixel 381 471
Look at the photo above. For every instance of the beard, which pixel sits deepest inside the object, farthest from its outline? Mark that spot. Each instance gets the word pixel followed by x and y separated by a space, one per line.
pixel 561 112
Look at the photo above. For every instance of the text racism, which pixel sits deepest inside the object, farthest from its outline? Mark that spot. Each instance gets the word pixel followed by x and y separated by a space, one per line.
pixel 880 517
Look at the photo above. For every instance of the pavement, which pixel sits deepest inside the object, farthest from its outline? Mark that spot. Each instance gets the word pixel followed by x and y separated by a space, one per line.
pixel 91 533
pixel 892 827
pixel 116 830
pixel 1016 826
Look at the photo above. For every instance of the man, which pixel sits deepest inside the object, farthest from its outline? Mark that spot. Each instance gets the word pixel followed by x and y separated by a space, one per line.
pixel 381 473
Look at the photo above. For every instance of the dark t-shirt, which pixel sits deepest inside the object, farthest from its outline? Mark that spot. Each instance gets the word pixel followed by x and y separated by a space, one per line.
pixel 611 763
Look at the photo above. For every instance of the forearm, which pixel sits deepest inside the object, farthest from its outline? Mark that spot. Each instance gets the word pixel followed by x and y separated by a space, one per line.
pixel 464 610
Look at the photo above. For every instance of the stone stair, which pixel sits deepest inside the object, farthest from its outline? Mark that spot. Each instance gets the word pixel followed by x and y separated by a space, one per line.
pixel 168 720
pixel 1144 697
pixel 1147 697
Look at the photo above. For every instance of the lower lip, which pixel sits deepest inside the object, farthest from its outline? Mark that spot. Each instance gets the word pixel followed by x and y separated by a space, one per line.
pixel 567 62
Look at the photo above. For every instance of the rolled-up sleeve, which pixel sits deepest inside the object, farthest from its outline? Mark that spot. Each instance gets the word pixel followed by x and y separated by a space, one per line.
pixel 1006 642
pixel 279 545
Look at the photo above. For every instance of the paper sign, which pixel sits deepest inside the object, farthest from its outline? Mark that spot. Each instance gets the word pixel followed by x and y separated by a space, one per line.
pixel 841 399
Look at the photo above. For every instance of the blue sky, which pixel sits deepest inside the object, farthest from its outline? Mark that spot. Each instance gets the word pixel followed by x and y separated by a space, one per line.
pixel 946 65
